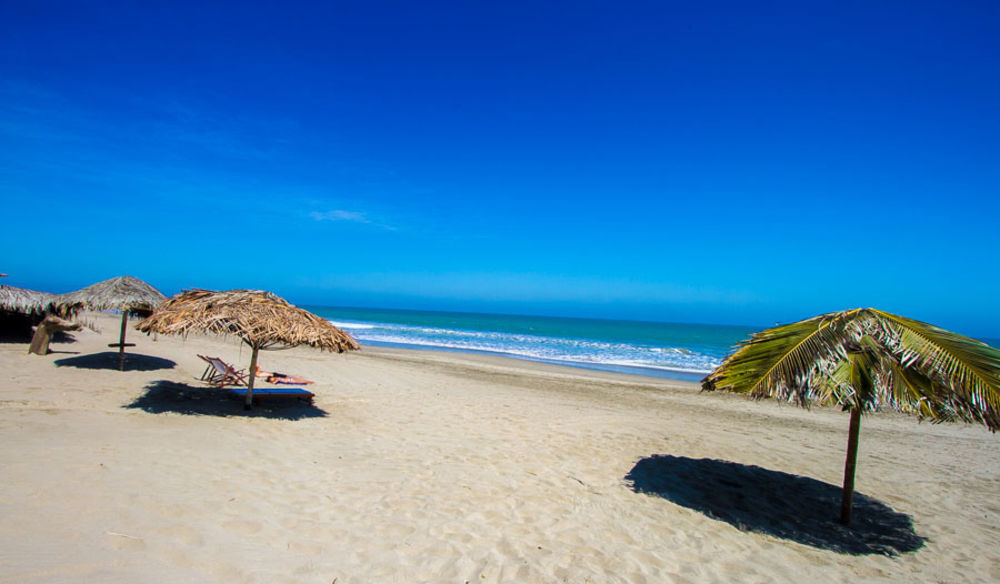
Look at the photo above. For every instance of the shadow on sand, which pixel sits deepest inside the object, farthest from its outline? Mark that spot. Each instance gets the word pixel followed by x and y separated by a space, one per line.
pixel 180 398
pixel 109 360
pixel 18 337
pixel 782 505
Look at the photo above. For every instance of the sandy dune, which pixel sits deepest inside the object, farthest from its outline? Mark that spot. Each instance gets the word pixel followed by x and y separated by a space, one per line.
pixel 416 466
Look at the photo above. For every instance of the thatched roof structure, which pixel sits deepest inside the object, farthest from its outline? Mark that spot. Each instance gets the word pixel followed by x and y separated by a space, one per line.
pixel 125 293
pixel 14 299
pixel 261 319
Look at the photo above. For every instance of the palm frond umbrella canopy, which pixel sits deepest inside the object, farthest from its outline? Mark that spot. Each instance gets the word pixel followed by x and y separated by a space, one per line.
pixel 127 294
pixel 862 360
pixel 34 310
pixel 260 319
pixel 14 299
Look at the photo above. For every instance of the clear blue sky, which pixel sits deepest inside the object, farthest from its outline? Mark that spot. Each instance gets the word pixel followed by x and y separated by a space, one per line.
pixel 694 161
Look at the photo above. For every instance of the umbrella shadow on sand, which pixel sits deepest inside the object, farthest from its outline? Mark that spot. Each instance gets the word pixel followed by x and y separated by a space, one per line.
pixel 180 398
pixel 109 360
pixel 774 503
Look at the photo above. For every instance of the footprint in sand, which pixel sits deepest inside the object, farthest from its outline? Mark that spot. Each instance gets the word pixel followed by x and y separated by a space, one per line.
pixel 124 542
pixel 242 527
pixel 304 547
pixel 183 534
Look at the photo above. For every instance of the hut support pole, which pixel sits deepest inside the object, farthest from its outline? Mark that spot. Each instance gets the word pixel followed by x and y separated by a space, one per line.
pixel 251 376
pixel 121 342
pixel 850 465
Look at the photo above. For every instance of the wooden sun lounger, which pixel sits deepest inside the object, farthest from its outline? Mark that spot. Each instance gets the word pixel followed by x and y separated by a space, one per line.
pixel 210 373
pixel 219 373
pixel 285 392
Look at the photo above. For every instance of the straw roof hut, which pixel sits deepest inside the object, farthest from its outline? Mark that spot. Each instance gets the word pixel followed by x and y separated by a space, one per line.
pixel 260 319
pixel 21 310
pixel 125 293
pixel 14 299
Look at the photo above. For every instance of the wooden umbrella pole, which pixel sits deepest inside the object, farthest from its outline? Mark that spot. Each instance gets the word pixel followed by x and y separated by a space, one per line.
pixel 121 342
pixel 850 465
pixel 251 375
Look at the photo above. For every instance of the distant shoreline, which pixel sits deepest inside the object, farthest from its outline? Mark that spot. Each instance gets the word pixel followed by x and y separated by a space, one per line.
pixel 685 352
pixel 658 373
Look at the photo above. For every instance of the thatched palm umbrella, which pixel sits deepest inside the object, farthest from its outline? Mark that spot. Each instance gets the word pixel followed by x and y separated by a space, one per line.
pixel 35 308
pixel 260 319
pixel 14 299
pixel 127 294
pixel 863 360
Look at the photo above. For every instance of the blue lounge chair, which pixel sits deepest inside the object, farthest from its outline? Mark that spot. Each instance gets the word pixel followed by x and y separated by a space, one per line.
pixel 286 392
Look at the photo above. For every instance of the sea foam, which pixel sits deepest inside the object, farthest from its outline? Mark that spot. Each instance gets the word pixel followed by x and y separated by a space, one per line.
pixel 684 362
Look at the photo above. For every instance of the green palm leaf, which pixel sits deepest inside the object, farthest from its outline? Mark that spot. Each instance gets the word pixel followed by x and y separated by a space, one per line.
pixel 916 367
pixel 779 361
pixel 966 372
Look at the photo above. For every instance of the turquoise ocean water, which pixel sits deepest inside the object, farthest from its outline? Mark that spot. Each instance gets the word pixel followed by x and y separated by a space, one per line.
pixel 673 350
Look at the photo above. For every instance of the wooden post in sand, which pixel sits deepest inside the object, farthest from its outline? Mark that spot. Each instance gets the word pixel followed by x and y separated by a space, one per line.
pixel 121 344
pixel 121 341
pixel 252 375
pixel 850 465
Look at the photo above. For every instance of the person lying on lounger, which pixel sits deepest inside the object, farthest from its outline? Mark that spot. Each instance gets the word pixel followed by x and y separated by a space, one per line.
pixel 275 377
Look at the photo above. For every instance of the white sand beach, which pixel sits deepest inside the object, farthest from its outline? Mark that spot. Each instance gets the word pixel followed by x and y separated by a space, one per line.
pixel 417 466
